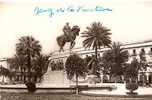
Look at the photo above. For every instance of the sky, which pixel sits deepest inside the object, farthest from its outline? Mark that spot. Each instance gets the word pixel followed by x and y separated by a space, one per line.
pixel 129 21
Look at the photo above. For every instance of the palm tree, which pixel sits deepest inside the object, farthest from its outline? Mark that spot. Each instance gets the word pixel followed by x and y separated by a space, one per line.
pixel 75 66
pixel 28 44
pixel 114 60
pixel 28 49
pixel 96 36
pixel 4 72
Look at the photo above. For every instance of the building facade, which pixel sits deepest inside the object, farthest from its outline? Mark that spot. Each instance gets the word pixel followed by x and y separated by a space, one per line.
pixel 57 59
pixel 3 63
pixel 20 74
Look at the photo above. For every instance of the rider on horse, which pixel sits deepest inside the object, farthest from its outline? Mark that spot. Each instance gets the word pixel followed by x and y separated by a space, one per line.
pixel 69 35
pixel 67 30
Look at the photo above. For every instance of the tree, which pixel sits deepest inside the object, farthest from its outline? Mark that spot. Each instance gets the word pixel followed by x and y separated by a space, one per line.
pixel 143 61
pixel 28 49
pixel 16 62
pixel 96 36
pixel 75 66
pixel 87 60
pixel 41 65
pixel 114 60
pixel 143 64
pixel 4 72
pixel 132 69
pixel 131 76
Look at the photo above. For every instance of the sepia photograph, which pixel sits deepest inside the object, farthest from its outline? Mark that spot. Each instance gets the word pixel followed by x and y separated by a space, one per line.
pixel 75 50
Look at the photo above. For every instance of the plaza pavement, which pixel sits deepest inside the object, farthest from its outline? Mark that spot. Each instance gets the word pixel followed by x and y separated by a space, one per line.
pixel 120 88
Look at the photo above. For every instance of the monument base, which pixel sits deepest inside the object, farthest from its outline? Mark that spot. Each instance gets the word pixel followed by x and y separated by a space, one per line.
pixel 56 78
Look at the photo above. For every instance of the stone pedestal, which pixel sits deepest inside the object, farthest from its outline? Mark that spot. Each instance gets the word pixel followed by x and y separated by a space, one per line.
pixel 55 77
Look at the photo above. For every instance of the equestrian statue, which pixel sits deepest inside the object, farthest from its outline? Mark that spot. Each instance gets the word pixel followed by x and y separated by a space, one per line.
pixel 68 36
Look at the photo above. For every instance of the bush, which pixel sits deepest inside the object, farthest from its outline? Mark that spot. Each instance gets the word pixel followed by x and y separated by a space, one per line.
pixel 31 87
pixel 131 87
pixel 93 79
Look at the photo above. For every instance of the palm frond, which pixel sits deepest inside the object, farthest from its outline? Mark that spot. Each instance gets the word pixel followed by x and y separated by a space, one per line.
pixel 96 35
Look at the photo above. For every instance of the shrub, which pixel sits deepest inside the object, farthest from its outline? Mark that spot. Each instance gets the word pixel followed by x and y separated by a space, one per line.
pixel 31 87
pixel 93 79
pixel 131 87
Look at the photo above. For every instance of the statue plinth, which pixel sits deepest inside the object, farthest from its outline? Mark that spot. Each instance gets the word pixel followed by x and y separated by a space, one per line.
pixel 55 77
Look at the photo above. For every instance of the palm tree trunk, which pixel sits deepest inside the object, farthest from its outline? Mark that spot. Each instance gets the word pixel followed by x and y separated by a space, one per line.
pixel 77 88
pixel 96 60
pixel 3 79
pixel 96 52
pixel 29 62
pixel 29 67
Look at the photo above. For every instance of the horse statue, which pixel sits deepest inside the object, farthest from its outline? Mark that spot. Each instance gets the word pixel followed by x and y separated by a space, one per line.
pixel 68 36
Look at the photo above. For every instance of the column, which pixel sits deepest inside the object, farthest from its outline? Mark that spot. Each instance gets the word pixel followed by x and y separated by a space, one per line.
pixel 101 76
pixel 147 77
pixel 19 78
pixel 138 77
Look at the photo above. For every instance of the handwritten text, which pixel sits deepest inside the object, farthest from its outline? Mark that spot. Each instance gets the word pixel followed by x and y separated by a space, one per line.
pixel 52 11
